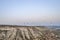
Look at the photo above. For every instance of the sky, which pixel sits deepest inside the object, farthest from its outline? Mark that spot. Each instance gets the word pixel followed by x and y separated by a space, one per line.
pixel 30 12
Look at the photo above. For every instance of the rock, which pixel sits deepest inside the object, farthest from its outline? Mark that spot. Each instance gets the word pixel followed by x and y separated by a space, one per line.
pixel 26 33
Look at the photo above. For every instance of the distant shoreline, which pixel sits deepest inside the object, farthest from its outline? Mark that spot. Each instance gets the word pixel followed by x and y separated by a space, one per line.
pixel 19 26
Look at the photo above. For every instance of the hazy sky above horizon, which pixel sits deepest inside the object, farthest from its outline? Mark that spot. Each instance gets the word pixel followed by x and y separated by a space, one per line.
pixel 30 12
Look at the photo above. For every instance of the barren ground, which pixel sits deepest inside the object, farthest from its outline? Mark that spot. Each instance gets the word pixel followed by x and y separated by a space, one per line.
pixel 26 33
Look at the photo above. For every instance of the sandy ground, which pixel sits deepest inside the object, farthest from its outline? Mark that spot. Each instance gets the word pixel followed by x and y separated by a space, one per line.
pixel 26 33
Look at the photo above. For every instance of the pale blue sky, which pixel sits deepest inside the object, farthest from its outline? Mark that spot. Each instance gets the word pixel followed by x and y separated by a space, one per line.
pixel 30 12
